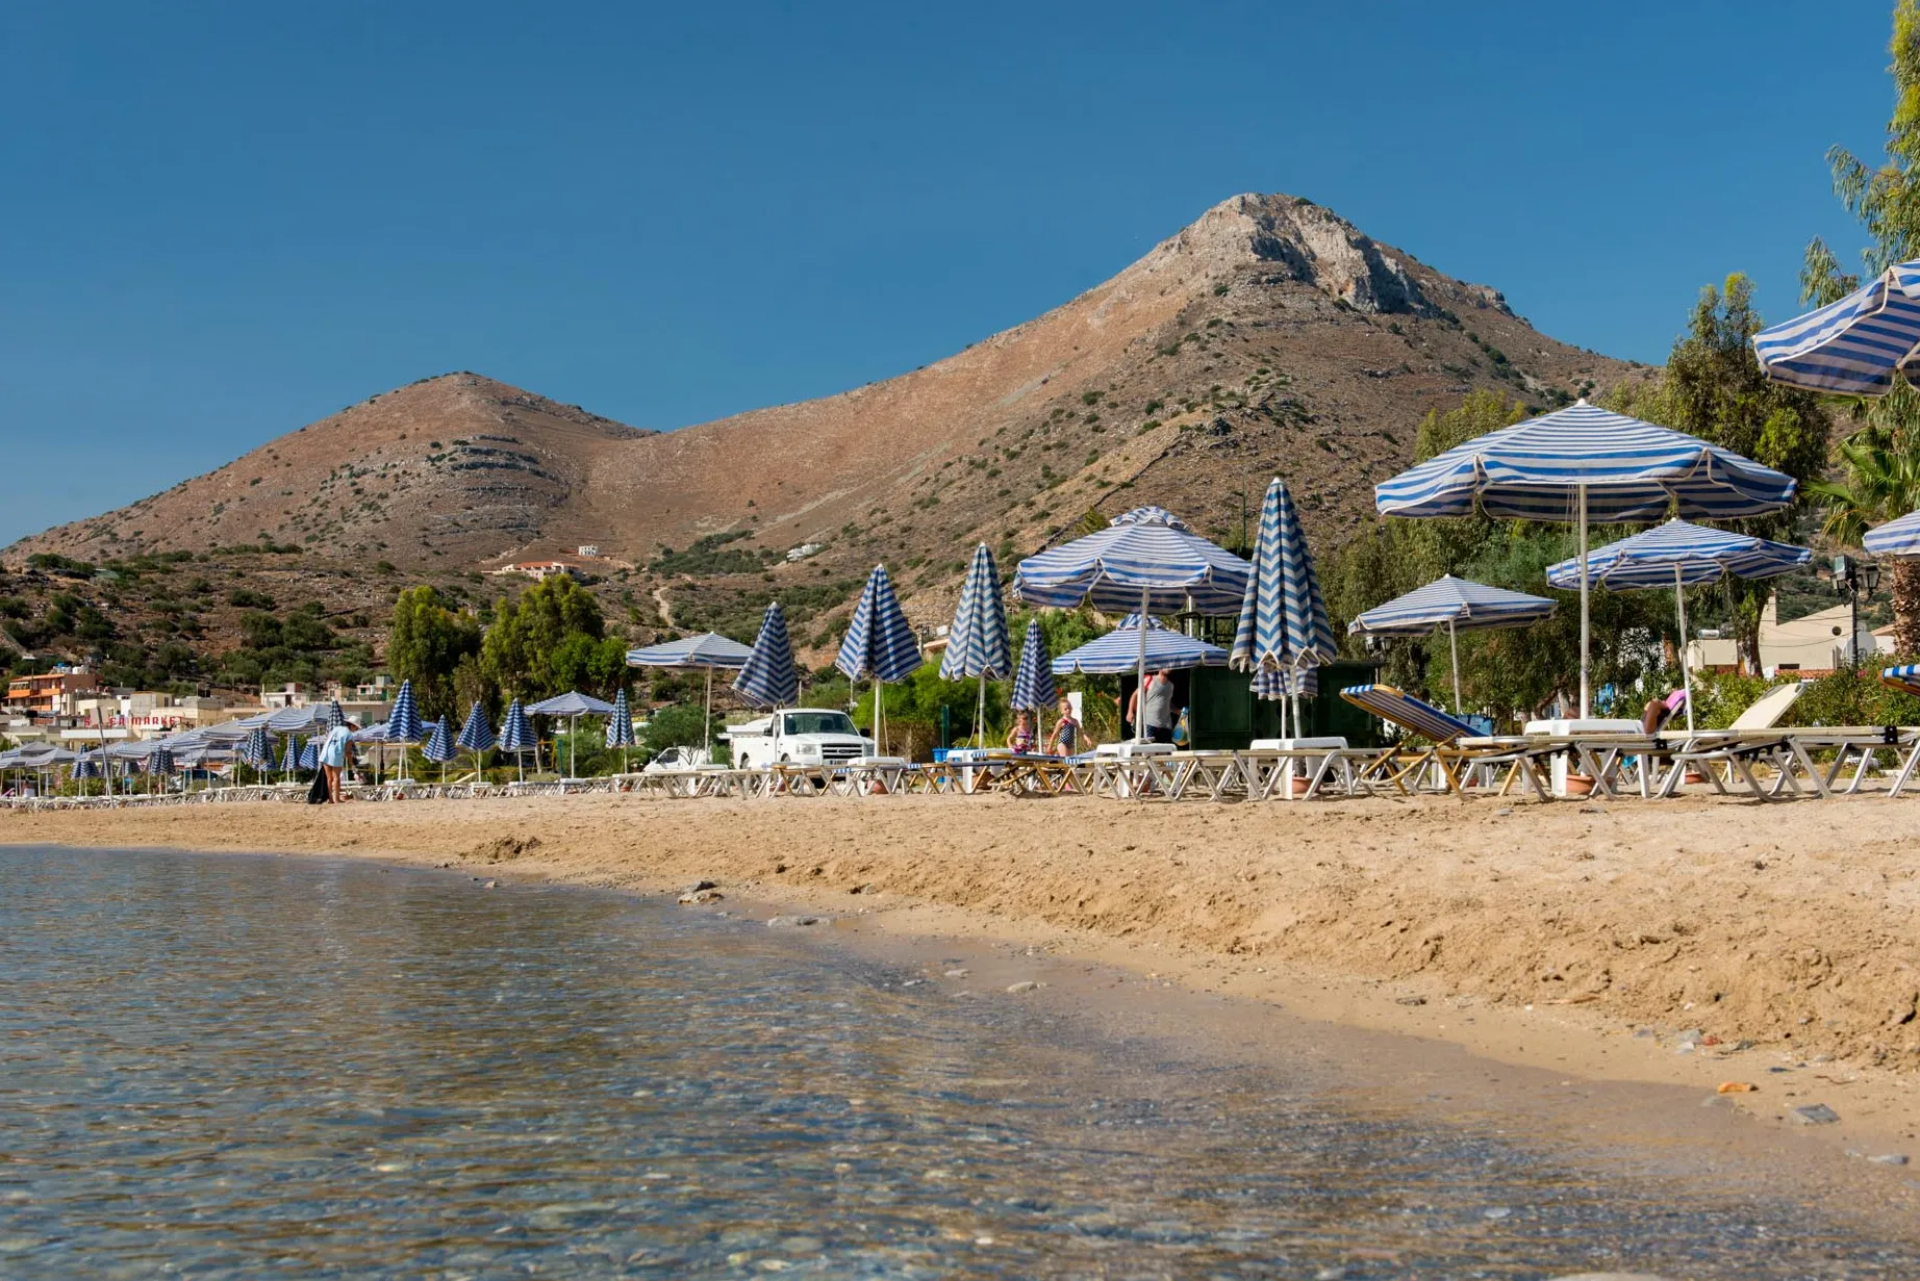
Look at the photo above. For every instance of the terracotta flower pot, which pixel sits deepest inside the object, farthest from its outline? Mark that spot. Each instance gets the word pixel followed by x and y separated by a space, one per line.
pixel 1579 784
pixel 1300 786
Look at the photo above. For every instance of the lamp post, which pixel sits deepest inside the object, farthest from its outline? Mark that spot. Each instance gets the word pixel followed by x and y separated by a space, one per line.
pixel 1852 578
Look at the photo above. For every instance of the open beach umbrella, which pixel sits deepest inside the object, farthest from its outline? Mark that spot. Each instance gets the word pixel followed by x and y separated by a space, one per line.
pixel 1118 652
pixel 439 747
pixel 573 706
pixel 879 644
pixel 516 736
pixel 476 735
pixel 1452 605
pixel 977 643
pixel 1899 539
pixel 620 727
pixel 1146 561
pixel 708 651
pixel 1581 464
pixel 1680 555
pixel 1851 347
pixel 1283 623
pixel 770 678
pixel 1033 689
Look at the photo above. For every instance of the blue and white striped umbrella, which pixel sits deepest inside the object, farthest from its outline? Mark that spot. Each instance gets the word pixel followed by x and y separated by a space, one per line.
pixel 572 705
pixel 1302 682
pixel 476 735
pixel 1146 560
pixel 1581 464
pixel 1679 552
pixel 1453 605
pixel 1118 652
pixel 290 754
pixel 257 750
pixel 516 736
pixel 977 643
pixel 161 762
pixel 878 644
pixel 403 719
pixel 1897 538
pixel 439 747
pixel 1283 623
pixel 87 765
pixel 709 651
pixel 310 756
pixel 1033 689
pixel 1851 347
pixel 1677 555
pixel 770 678
pixel 620 726
pixel 335 717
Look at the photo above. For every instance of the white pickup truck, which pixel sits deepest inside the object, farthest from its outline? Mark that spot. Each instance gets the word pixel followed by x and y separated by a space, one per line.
pixel 798 736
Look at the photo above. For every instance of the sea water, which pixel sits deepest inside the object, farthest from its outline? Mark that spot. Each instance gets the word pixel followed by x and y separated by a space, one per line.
pixel 246 1067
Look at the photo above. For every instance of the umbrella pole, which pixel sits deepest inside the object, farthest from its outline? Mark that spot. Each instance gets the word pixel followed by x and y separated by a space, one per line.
pixel 879 718
pixel 707 722
pixel 1453 643
pixel 1140 673
pixel 1586 697
pixel 980 713
pixel 1686 672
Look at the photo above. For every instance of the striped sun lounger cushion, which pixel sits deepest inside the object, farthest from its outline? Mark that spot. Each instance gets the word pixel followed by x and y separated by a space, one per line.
pixel 1408 712
pixel 1906 679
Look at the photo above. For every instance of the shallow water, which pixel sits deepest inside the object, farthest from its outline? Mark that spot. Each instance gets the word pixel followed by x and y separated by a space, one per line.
pixel 220 1066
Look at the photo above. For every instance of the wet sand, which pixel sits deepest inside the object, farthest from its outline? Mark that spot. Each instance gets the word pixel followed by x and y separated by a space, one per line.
pixel 1577 940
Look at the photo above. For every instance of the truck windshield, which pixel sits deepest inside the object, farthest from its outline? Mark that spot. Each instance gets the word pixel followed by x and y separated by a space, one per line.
pixel 819 723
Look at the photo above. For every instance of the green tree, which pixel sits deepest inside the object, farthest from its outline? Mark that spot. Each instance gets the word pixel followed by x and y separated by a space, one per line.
pixel 1882 456
pixel 1714 389
pixel 517 652
pixel 426 642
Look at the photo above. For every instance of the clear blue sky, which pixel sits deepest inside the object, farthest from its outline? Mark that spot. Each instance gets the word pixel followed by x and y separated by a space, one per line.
pixel 221 221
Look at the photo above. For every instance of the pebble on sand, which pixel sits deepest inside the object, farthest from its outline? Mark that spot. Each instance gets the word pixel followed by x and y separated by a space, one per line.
pixel 1814 1114
pixel 1025 985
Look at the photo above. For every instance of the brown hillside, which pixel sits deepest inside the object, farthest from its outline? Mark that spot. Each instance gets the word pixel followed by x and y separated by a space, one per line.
pixel 1271 337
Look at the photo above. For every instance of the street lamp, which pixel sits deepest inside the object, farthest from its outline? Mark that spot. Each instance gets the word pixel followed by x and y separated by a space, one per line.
pixel 1852 578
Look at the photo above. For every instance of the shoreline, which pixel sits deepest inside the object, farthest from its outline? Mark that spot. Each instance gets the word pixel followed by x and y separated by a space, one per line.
pixel 1546 937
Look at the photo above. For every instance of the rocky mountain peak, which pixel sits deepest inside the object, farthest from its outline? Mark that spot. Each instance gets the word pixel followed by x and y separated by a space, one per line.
pixel 1308 243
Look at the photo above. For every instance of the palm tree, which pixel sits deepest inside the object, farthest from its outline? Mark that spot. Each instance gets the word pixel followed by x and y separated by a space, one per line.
pixel 1882 463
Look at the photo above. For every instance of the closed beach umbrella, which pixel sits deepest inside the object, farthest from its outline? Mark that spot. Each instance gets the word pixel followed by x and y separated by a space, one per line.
pixel 1146 561
pixel 770 679
pixel 516 736
pixel 439 746
pixel 572 705
pixel 708 651
pixel 1851 347
pixel 879 644
pixel 290 754
pixel 310 756
pixel 1283 623
pixel 1680 555
pixel 335 717
pixel 1897 538
pixel 977 643
pixel 1452 605
pixel 476 735
pixel 1581 464
pixel 1033 689
pixel 1299 682
pixel 161 764
pixel 257 749
pixel 87 765
pixel 1118 652
pixel 620 727
pixel 403 722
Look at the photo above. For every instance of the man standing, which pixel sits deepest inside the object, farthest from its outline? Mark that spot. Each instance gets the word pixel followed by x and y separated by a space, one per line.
pixel 1152 716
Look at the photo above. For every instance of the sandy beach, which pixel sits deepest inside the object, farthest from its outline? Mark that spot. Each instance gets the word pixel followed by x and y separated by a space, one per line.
pixel 1595 940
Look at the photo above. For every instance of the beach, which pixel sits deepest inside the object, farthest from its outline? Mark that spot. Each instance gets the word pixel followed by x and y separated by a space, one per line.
pixel 1696 942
